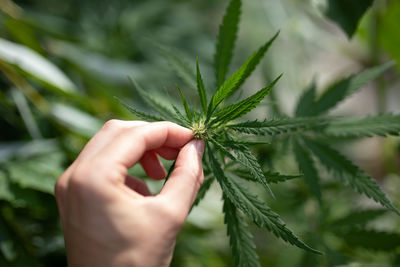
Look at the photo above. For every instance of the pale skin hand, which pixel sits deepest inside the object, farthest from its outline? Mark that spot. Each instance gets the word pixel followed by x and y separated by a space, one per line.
pixel 110 219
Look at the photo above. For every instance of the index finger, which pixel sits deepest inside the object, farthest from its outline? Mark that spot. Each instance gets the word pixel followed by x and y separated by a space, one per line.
pixel 129 146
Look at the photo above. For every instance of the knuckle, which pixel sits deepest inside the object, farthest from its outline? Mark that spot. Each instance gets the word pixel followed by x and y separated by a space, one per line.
pixel 76 184
pixel 86 175
pixel 112 124
pixel 82 170
pixel 79 177
pixel 165 124
pixel 173 216
pixel 59 188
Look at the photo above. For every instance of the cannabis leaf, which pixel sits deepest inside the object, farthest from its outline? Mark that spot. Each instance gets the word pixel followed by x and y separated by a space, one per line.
pixel 208 181
pixel 239 109
pixel 179 65
pixel 382 125
pixel 162 111
pixel 201 90
pixel 307 167
pixel 277 126
pixel 233 83
pixel 226 41
pixel 357 218
pixel 247 159
pixel 271 177
pixel 257 211
pixel 371 239
pixel 347 14
pixel 141 114
pixel 339 91
pixel 349 173
pixel 306 100
pixel 240 237
pixel 229 158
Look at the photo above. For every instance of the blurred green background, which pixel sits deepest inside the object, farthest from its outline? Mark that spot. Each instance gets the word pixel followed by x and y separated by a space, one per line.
pixel 62 63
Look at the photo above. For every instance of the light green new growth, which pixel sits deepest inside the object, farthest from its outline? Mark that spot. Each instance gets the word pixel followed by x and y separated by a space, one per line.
pixel 215 122
pixel 199 130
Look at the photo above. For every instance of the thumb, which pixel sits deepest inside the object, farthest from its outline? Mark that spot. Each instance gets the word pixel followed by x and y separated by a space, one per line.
pixel 187 177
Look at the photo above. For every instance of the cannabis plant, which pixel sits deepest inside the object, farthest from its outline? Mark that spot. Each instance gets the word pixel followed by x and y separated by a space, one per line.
pixel 229 159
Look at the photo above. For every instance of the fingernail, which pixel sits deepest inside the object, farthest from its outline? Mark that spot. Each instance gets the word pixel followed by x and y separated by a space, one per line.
pixel 199 144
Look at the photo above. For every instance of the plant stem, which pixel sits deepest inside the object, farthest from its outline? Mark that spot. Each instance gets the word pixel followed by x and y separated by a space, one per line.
pixel 170 170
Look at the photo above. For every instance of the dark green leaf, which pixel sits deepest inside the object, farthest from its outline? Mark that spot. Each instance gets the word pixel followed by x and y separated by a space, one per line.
pixel 39 173
pixel 357 218
pixel 241 239
pixel 162 110
pixel 271 177
pixel 222 149
pixel 226 41
pixel 185 121
pixel 347 13
pixel 382 125
pixel 342 89
pixel 185 105
pixel 142 115
pixel 5 190
pixel 237 110
pixel 257 211
pixel 307 167
pixel 349 173
pixel 246 143
pixel 278 125
pixel 203 190
pixel 200 88
pixel 233 83
pixel 180 66
pixel 246 158
pixel 371 239
pixel 306 100
pixel 310 259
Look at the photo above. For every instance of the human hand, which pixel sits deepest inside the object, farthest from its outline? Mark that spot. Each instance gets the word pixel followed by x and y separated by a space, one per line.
pixel 110 219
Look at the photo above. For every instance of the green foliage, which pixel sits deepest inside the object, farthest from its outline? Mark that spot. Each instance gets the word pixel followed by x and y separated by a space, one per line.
pixel 180 66
pixel 307 167
pixel 349 173
pixel 387 29
pixel 239 109
pixel 246 158
pixel 381 125
pixel 347 13
pixel 277 126
pixel 208 181
pixel 68 59
pixel 371 239
pixel 158 107
pixel 188 112
pixel 306 100
pixel 226 41
pixel 25 173
pixel 358 218
pixel 271 177
pixel 338 92
pixel 216 124
pixel 201 90
pixel 141 114
pixel 233 83
pixel 257 211
pixel 241 239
